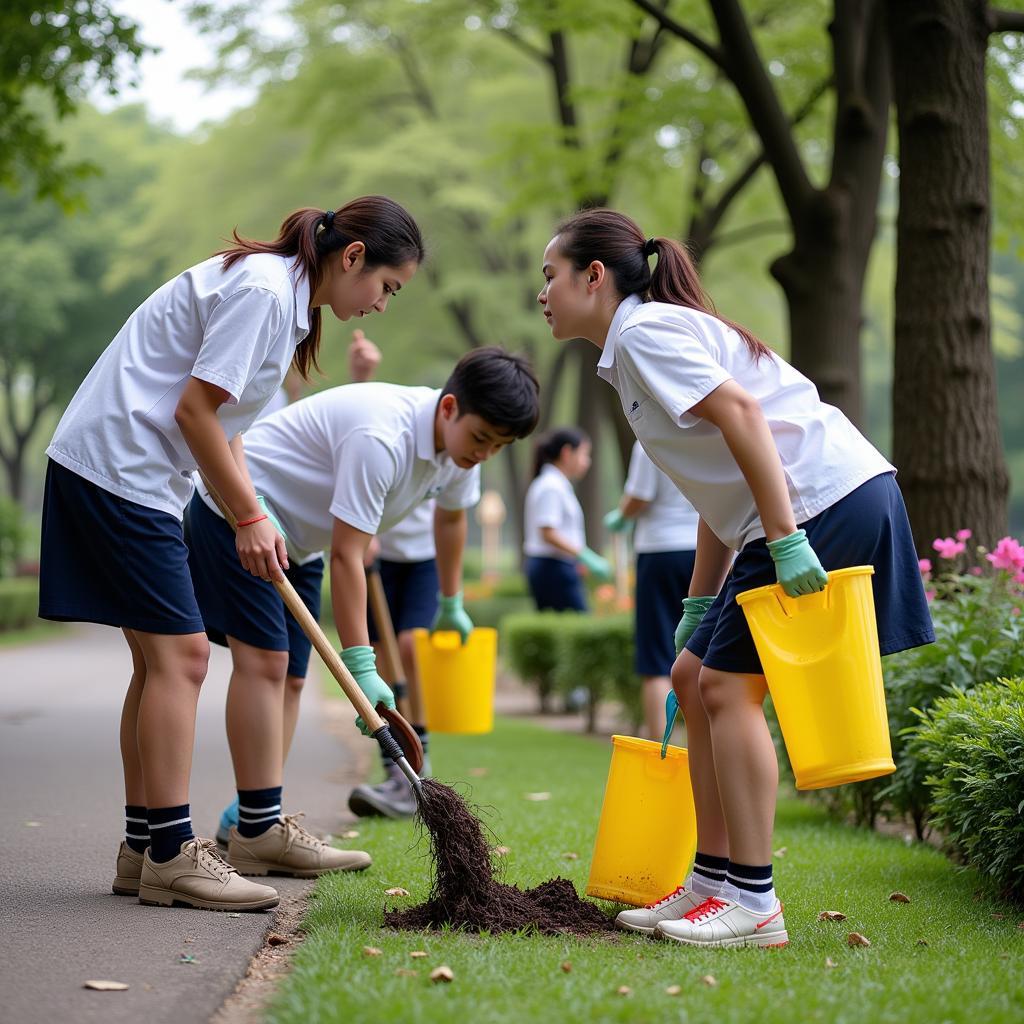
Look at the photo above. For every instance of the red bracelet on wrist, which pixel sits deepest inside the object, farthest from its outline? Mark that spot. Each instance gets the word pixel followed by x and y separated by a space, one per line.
pixel 255 519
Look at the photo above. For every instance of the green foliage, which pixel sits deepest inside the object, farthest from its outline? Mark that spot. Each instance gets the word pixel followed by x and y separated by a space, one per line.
pixel 971 747
pixel 51 53
pixel 12 534
pixel 530 642
pixel 490 611
pixel 19 603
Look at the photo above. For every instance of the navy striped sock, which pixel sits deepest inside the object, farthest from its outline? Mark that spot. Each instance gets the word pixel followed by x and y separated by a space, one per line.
pixel 750 885
pixel 169 827
pixel 708 874
pixel 136 827
pixel 258 810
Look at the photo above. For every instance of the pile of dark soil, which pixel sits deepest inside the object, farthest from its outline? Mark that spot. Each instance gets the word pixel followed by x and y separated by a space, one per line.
pixel 465 893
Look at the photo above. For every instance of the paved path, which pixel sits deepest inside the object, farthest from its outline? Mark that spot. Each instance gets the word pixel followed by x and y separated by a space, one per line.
pixel 61 821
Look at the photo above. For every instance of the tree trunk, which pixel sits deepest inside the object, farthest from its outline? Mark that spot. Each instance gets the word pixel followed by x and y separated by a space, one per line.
pixel 946 438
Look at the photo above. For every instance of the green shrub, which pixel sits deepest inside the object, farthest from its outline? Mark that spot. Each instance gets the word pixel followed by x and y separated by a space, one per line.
pixel 971 748
pixel 19 603
pixel 12 534
pixel 490 611
pixel 530 643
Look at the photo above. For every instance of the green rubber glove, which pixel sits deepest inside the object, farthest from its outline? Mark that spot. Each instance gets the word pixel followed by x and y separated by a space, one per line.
pixel 362 663
pixel 452 616
pixel 694 610
pixel 796 565
pixel 274 521
pixel 616 522
pixel 595 564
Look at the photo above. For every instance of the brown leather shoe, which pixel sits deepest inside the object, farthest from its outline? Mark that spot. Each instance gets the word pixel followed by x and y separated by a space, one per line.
pixel 129 870
pixel 286 848
pixel 199 877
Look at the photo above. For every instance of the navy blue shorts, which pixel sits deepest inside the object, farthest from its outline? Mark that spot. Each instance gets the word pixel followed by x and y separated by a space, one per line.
pixel 235 603
pixel 867 527
pixel 555 584
pixel 411 591
pixel 109 560
pixel 662 581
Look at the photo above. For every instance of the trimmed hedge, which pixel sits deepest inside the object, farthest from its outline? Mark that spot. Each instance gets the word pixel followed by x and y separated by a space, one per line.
pixel 971 746
pixel 19 603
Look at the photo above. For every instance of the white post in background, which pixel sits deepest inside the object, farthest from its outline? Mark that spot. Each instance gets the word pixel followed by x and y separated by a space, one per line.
pixel 490 514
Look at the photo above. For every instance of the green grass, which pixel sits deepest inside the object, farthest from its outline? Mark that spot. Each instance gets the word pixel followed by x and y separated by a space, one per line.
pixel 971 970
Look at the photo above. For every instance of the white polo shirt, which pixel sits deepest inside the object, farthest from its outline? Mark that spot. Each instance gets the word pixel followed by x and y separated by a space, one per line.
pixel 412 539
pixel 236 328
pixel 361 453
pixel 663 359
pixel 551 501
pixel 669 522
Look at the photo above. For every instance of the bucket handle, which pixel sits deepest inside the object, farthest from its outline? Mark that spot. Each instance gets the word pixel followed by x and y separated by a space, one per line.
pixel 446 640
pixel 788 605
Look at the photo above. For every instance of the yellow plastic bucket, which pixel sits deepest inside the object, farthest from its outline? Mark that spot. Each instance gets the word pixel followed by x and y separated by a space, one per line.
pixel 824 672
pixel 457 681
pixel 647 834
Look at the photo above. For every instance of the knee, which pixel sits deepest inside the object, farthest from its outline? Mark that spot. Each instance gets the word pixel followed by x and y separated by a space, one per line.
pixel 270 667
pixel 194 659
pixel 685 674
pixel 715 692
pixel 293 686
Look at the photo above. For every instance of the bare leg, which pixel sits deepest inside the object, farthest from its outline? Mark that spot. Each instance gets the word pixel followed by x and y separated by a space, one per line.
pixel 655 690
pixel 255 713
pixel 712 836
pixel 407 652
pixel 134 785
pixel 293 686
pixel 175 669
pixel 402 703
pixel 745 761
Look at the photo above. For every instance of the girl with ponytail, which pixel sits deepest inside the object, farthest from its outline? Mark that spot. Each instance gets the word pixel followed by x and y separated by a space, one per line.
pixel 555 535
pixel 771 471
pixel 186 375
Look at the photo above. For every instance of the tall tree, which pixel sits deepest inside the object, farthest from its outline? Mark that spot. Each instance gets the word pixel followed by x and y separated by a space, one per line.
pixel 946 434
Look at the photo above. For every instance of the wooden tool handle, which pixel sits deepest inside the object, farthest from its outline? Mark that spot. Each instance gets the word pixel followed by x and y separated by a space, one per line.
pixel 311 628
pixel 385 626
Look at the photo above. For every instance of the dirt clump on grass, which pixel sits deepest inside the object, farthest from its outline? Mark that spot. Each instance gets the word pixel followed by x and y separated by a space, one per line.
pixel 465 893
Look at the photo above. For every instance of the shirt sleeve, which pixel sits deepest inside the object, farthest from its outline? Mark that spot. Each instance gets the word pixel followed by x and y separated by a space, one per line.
pixel 365 470
pixel 547 508
pixel 237 338
pixel 671 364
pixel 642 478
pixel 462 492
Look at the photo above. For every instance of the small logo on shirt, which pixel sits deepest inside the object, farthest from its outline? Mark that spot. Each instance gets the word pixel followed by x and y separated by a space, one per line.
pixel 433 492
pixel 636 405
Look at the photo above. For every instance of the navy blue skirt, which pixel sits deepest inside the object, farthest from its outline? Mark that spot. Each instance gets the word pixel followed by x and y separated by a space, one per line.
pixel 109 560
pixel 662 581
pixel 411 592
pixel 555 584
pixel 235 603
pixel 867 527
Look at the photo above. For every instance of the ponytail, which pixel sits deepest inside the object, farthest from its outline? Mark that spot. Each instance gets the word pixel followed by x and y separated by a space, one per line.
pixel 617 241
pixel 549 446
pixel 391 236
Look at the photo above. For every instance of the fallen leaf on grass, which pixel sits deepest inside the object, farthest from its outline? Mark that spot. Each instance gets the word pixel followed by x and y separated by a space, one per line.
pixel 443 973
pixel 566 966
pixel 478 773
pixel 406 972
pixel 829 962
pixel 673 990
pixel 998 917
pixel 1021 926
pixel 624 990
pixel 418 954
pixel 856 939
pixel 105 986
pixel 273 939
pixel 569 855
pixel 921 942
pixel 781 851
pixel 350 834
pixel 536 797
pixel 709 980
pixel 501 851
pixel 396 890
pixel 899 897
pixel 372 951
pixel 831 915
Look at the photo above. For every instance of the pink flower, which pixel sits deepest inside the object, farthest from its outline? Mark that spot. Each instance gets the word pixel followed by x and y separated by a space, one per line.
pixel 925 564
pixel 1008 555
pixel 975 570
pixel 963 534
pixel 1015 611
pixel 929 596
pixel 948 548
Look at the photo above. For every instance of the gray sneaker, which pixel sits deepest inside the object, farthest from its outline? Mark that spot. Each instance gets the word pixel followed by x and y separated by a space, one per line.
pixel 392 798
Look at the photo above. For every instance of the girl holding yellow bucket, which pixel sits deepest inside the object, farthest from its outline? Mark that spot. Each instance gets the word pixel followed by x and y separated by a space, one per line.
pixel 778 477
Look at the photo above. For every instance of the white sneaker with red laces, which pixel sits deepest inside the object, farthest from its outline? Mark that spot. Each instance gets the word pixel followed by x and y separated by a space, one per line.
pixel 672 907
pixel 719 922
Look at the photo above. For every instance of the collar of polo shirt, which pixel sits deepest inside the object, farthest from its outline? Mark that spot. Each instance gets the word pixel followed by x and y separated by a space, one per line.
pixel 425 414
pixel 626 306
pixel 300 282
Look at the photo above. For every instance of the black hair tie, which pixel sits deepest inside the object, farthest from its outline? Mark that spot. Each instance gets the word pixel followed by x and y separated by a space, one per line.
pixel 650 248
pixel 328 220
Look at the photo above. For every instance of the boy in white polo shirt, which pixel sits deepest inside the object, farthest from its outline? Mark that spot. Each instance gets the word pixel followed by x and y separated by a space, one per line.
pixel 335 469
pixel 771 469
pixel 665 543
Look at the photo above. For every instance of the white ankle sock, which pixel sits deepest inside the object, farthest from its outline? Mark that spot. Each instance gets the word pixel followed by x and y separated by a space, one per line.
pixel 755 902
pixel 702 887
